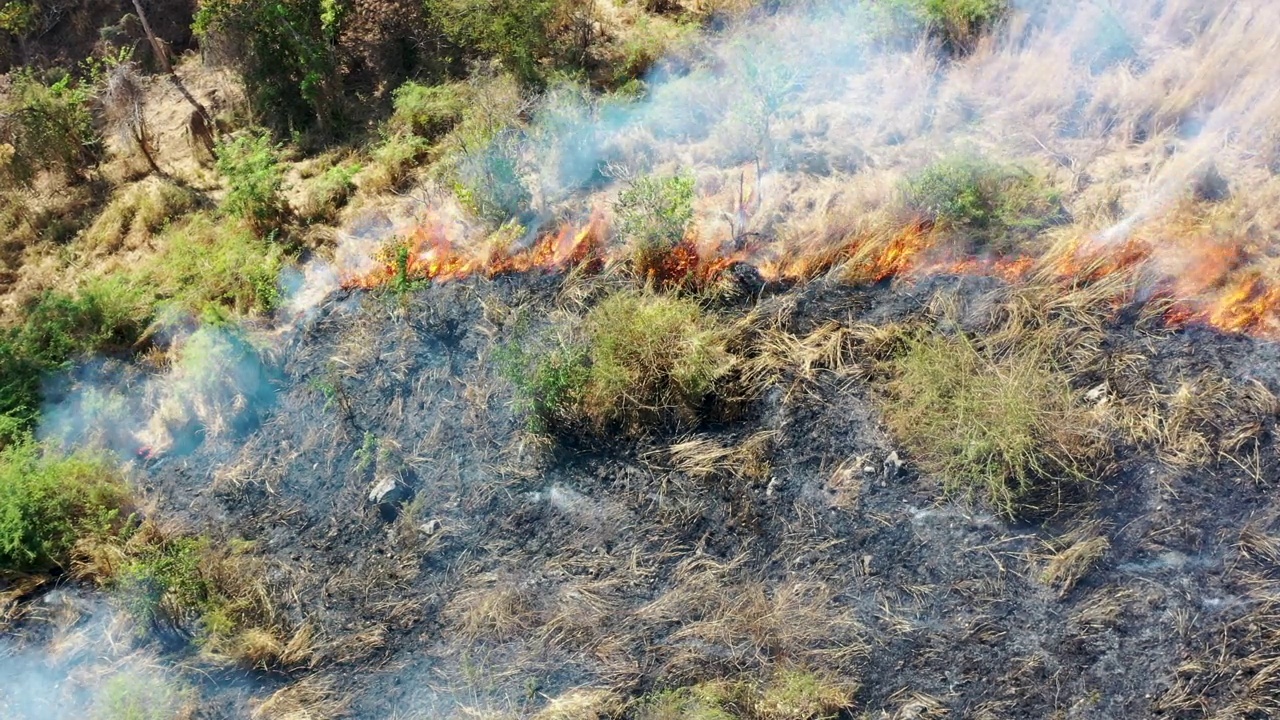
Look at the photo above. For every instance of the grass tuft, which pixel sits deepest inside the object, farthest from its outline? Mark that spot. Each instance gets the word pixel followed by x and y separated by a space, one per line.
pixel 1006 427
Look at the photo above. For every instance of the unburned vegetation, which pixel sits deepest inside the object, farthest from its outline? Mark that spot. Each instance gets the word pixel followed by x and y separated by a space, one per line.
pixel 638 360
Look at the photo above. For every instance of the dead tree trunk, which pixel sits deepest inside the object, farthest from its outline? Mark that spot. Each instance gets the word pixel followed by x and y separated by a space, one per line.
pixel 162 57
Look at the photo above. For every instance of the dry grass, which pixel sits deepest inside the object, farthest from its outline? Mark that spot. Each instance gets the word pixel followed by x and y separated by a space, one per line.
pixel 583 704
pixel 492 606
pixel 313 698
pixel 1069 558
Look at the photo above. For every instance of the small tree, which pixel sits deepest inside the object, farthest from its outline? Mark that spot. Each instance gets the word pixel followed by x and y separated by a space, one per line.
pixel 652 215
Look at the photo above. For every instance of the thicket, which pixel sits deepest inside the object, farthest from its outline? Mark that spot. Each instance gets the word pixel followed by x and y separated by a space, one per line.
pixel 51 502
pixel 46 127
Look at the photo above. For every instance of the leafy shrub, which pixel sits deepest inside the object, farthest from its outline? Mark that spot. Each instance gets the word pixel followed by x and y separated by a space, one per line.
pixel 985 201
pixel 182 584
pixel 1006 427
pixel 284 50
pixel 49 502
pixel 18 17
pixel 46 128
pixel 102 316
pixel 255 178
pixel 204 264
pixel 956 24
pixel 427 111
pixel 488 179
pixel 642 358
pixel 516 32
pixel 652 214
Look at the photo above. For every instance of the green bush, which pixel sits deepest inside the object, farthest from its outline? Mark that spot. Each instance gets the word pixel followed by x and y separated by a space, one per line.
pixel 103 316
pixel 284 50
pixel 49 502
pixel 206 264
pixel 164 583
pixel 987 202
pixel 641 358
pixel 956 24
pixel 1007 427
pixel 516 32
pixel 427 111
pixel 46 128
pixel 653 214
pixel 255 180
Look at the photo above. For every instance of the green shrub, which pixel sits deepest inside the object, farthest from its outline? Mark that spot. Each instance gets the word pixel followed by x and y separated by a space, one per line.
pixel 46 128
pixel 164 583
pixel 255 178
pixel 213 594
pixel 641 358
pixel 488 180
pixel 653 214
pixel 284 50
pixel 516 32
pixel 427 111
pixel 18 17
pixel 206 264
pixel 49 502
pixel 1006 427
pixel 103 316
pixel 956 24
pixel 986 202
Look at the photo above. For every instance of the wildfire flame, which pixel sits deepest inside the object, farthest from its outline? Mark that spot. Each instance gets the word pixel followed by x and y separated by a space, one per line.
pixel 1211 282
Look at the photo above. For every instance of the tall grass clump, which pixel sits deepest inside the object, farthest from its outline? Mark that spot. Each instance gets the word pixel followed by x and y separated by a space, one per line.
pixel 986 203
pixel 50 502
pixel 639 359
pixel 1004 427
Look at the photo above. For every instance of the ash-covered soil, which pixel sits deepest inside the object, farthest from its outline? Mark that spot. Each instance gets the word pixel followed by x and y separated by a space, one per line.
pixel 522 568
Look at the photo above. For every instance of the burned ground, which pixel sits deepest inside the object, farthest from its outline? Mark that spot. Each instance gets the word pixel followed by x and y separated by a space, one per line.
pixel 521 568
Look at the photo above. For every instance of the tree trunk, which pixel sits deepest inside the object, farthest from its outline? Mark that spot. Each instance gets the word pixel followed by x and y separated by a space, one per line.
pixel 162 57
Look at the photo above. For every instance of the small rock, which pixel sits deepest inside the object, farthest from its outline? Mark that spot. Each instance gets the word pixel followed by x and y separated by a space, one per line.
pixel 892 466
pixel 389 493
pixel 774 483
pixel 430 527
pixel 869 470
